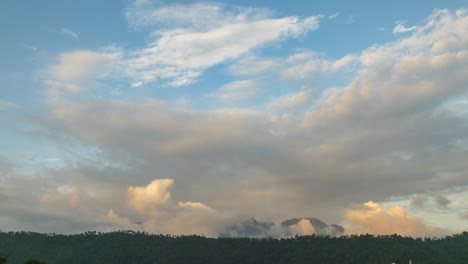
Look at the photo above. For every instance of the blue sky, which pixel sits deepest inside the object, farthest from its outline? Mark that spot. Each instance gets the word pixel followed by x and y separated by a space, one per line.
pixel 217 111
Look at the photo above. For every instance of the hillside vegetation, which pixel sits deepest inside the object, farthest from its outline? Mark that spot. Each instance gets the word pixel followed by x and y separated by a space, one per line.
pixel 128 247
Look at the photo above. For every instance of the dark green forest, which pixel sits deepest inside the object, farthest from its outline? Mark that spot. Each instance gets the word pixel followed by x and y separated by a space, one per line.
pixel 129 247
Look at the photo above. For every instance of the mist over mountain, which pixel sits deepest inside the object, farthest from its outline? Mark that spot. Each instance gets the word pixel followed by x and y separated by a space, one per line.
pixel 288 228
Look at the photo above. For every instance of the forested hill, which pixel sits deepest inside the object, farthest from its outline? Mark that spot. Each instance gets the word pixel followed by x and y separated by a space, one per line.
pixel 130 247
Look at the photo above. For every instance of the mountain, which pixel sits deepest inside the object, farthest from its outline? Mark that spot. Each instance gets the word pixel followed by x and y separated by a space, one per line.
pixel 288 228
pixel 320 227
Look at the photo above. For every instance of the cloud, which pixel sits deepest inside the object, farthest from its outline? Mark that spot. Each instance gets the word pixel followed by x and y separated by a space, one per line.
pixel 373 219
pixel 80 65
pixel 350 19
pixel 252 65
pixel 403 78
pixel 442 202
pixel 419 201
pixel 5 104
pixel 400 28
pixel 464 215
pixel 194 205
pixel 334 15
pixel 57 88
pixel 172 130
pixel 66 194
pixel 155 193
pixel 235 91
pixel 291 101
pixel 308 65
pixel 303 227
pixel 305 65
pixel 198 15
pixel 180 54
pixel 69 33
pixel 30 47
pixel 391 123
pixel 113 217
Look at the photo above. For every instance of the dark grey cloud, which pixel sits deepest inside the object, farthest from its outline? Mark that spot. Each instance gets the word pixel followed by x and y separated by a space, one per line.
pixel 442 202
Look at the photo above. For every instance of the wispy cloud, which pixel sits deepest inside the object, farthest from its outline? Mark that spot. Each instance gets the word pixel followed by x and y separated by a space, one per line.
pixel 235 91
pixel 188 41
pixel 350 19
pixel 69 33
pixel 5 104
pixel 334 15
pixel 401 28
pixel 30 47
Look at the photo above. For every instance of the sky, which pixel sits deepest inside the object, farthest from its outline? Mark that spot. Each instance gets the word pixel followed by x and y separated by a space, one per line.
pixel 186 117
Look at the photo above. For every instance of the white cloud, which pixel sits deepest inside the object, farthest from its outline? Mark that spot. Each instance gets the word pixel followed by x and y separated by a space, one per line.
pixel 235 91
pixel 405 76
pixel 304 65
pixel 81 65
pixel 144 198
pixel 400 28
pixel 69 33
pixel 307 65
pixel 334 15
pixel 78 69
pixel 200 16
pixel 186 40
pixel 179 55
pixel 195 205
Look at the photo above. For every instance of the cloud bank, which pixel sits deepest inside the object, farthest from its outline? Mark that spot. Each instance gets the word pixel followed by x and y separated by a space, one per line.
pixel 398 118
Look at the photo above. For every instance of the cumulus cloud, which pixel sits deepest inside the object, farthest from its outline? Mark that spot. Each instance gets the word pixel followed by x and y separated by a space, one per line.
pixel 388 125
pixel 142 198
pixel 114 218
pixel 303 227
pixel 373 219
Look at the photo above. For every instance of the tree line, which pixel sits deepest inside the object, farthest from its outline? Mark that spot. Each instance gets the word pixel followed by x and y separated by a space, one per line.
pixel 131 247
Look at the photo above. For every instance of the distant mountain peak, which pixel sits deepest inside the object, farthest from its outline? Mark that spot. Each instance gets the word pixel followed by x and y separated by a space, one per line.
pixel 288 228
